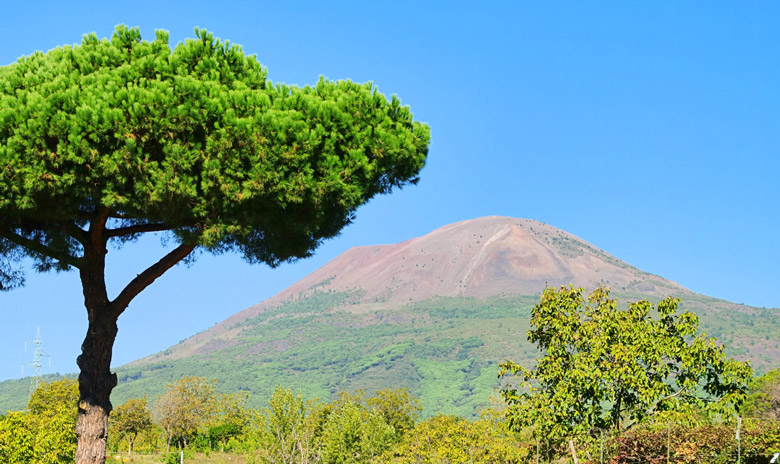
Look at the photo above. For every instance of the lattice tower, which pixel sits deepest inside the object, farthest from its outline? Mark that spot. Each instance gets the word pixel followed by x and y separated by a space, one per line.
pixel 38 355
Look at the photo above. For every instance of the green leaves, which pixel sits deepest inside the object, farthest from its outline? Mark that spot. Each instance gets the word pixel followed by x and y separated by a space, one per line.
pixel 195 138
pixel 348 430
pixel 131 418
pixel 764 398
pixel 608 367
pixel 46 433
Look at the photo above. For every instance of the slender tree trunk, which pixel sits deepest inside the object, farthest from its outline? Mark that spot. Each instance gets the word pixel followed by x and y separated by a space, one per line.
pixel 95 379
pixel 95 385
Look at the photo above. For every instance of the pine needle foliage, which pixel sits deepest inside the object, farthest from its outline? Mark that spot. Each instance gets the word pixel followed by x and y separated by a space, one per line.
pixel 194 140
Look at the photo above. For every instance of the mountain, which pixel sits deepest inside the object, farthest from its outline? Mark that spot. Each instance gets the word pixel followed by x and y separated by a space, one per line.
pixel 434 314
pixel 478 258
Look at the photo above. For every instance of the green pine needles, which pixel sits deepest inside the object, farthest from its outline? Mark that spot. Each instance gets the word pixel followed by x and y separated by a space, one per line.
pixel 194 140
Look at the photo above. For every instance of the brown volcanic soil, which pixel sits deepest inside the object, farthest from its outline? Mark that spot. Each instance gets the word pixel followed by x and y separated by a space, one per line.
pixel 477 258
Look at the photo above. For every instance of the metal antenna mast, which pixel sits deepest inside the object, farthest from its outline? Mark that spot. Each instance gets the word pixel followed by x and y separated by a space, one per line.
pixel 38 354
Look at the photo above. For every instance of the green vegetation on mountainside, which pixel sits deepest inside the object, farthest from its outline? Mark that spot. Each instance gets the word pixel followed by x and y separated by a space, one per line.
pixel 445 350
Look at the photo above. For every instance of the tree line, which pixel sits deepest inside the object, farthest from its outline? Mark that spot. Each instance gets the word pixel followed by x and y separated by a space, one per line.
pixel 358 428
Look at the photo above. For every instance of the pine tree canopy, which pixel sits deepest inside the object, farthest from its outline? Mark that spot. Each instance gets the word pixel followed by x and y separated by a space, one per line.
pixel 195 141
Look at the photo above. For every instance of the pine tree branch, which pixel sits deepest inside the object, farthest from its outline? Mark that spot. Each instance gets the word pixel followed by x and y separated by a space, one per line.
pixel 41 249
pixel 79 234
pixel 121 216
pixel 137 229
pixel 144 279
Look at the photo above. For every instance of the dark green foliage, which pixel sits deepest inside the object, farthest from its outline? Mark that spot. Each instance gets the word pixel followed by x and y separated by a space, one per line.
pixel 220 434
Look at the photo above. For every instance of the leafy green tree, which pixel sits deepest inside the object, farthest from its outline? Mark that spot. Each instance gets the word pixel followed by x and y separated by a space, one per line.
pixel 398 408
pixel 17 438
pixel 763 402
pixel 131 419
pixel 229 421
pixel 53 416
pixel 45 434
pixel 105 141
pixel 605 368
pixel 186 405
pixel 354 434
pixel 286 430
pixel 49 396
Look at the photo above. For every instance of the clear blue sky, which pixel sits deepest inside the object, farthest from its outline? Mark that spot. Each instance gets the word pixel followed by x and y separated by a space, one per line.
pixel 649 129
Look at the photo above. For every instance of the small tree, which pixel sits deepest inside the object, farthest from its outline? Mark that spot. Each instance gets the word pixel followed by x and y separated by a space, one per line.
pixel 53 410
pixel 398 408
pixel 352 433
pixel 230 419
pixel 288 430
pixel 108 140
pixel 608 368
pixel 187 405
pixel 132 418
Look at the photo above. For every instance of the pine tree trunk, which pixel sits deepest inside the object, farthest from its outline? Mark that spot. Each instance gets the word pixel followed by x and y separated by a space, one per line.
pixel 96 380
pixel 95 385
